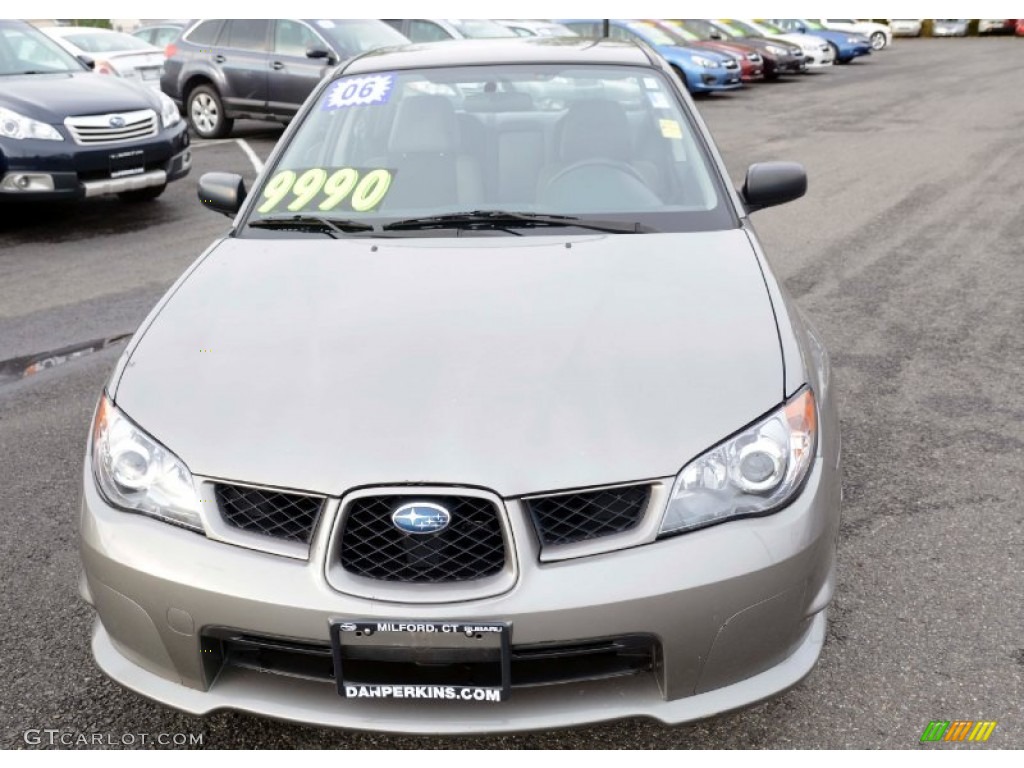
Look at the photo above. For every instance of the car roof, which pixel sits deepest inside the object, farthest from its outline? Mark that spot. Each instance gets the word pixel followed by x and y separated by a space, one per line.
pixel 501 50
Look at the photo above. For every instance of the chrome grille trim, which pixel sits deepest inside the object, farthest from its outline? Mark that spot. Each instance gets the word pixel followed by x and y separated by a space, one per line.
pixel 96 130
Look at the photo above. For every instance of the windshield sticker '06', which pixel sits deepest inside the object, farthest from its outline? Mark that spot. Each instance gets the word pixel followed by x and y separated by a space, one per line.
pixel 347 189
pixel 359 92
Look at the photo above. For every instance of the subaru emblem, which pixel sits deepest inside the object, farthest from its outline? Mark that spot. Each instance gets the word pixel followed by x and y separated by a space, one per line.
pixel 421 517
pixel 117 121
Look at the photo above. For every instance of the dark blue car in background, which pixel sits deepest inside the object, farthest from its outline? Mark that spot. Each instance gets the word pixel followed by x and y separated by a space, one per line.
pixel 701 70
pixel 69 133
pixel 846 45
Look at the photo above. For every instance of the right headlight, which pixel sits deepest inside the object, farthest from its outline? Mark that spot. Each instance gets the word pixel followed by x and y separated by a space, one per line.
pixel 754 472
pixel 776 50
pixel 134 472
pixel 702 61
pixel 16 126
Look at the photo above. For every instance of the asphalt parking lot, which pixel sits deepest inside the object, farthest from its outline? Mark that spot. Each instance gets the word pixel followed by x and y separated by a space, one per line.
pixel 907 255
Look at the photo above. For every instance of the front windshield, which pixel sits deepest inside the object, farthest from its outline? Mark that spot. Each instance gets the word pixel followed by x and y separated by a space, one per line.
pixel 352 36
pixel 25 50
pixel 768 27
pixel 481 28
pixel 106 42
pixel 738 28
pixel 652 33
pixel 547 139
pixel 681 33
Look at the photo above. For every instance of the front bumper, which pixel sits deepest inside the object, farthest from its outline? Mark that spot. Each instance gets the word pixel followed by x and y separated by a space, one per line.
pixel 737 611
pixel 707 80
pixel 77 172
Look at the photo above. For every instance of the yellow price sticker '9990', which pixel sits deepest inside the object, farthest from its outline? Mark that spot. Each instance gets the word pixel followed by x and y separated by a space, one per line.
pixel 349 189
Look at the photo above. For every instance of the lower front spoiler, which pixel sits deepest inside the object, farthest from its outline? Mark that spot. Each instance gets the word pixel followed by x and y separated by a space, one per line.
pixel 318 703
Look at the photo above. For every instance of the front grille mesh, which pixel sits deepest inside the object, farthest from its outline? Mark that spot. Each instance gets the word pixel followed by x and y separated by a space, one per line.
pixel 287 516
pixel 471 547
pixel 90 130
pixel 573 517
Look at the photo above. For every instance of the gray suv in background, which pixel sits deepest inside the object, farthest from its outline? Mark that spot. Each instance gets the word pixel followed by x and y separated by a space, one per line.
pixel 222 69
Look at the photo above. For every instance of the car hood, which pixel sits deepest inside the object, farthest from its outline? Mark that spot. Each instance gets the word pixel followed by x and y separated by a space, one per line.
pixel 51 98
pixel 515 364
pixel 675 52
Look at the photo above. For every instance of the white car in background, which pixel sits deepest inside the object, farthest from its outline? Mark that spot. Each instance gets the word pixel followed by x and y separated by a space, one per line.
pixel 880 35
pixel 817 52
pixel 114 53
pixel 906 27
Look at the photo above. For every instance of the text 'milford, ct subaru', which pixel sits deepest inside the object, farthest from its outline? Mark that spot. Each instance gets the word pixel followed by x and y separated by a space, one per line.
pixel 487 414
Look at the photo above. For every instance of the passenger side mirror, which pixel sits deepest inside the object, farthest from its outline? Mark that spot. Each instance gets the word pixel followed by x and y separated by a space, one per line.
pixel 222 192
pixel 716 35
pixel 320 53
pixel 769 184
pixel 88 61
pixel 800 27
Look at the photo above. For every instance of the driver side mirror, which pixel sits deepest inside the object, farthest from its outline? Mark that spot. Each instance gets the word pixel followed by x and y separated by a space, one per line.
pixel 800 28
pixel 320 53
pixel 769 184
pixel 716 35
pixel 222 192
pixel 88 61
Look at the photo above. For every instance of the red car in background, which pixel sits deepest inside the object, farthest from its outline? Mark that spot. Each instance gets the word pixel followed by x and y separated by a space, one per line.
pixel 1020 27
pixel 751 62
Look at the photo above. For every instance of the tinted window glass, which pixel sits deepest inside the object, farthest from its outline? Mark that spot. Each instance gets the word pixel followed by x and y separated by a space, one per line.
pixel 422 31
pixel 292 38
pixel 205 33
pixel 245 34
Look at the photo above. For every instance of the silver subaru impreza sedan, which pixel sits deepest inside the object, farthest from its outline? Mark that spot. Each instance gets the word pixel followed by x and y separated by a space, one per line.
pixel 487 414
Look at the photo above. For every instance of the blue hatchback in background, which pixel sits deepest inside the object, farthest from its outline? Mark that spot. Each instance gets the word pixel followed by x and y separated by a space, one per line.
pixel 701 70
pixel 846 45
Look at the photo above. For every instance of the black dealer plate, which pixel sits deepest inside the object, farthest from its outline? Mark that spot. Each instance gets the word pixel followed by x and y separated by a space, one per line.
pixel 434 660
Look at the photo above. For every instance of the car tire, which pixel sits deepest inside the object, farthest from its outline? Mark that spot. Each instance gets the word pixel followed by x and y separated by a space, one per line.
pixel 878 40
pixel 205 112
pixel 835 54
pixel 143 195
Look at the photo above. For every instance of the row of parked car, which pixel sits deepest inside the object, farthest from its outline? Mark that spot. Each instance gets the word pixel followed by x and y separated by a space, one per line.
pixel 215 71
pixel 955 27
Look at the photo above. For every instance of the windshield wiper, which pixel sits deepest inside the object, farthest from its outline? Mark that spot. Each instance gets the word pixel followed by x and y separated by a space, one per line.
pixel 503 219
pixel 331 227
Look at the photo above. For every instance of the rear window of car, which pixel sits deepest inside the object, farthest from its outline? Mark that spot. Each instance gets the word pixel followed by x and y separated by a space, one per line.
pixel 106 42
pixel 205 33
pixel 541 138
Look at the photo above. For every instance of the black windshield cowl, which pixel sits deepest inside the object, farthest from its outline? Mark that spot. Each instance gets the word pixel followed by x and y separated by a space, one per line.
pixel 331 227
pixel 505 219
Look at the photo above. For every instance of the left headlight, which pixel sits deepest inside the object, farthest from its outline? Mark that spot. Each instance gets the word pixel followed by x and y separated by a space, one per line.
pixel 134 472
pixel 701 61
pixel 15 126
pixel 753 473
pixel 169 113
pixel 853 40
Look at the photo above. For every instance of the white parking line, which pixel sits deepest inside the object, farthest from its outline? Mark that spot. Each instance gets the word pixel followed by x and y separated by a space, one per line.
pixel 210 143
pixel 253 157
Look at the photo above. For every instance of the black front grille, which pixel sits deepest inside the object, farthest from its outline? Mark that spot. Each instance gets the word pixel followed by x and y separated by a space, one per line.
pixel 471 547
pixel 574 517
pixel 531 665
pixel 288 516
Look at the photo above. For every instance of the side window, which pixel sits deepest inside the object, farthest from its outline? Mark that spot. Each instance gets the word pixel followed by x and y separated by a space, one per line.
pixel 423 31
pixel 292 38
pixel 146 35
pixel 587 29
pixel 165 35
pixel 205 33
pixel 244 35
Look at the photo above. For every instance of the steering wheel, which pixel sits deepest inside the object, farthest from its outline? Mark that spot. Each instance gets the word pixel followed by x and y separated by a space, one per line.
pixel 600 163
